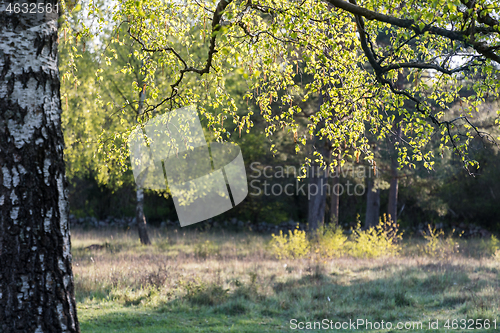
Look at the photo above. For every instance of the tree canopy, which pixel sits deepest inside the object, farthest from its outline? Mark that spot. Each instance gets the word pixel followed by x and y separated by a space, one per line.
pixel 374 63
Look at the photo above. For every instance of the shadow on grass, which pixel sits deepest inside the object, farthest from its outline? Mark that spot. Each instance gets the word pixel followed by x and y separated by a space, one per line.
pixel 411 294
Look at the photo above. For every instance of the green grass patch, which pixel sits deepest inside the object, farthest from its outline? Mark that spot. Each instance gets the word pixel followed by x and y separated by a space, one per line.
pixel 228 282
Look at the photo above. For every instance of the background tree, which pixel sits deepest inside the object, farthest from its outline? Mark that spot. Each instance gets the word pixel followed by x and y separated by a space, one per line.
pixel 85 120
pixel 441 46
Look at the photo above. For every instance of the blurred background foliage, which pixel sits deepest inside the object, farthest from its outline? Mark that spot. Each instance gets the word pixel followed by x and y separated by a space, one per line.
pixel 101 187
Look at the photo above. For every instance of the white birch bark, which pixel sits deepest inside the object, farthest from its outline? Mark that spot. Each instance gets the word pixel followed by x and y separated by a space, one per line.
pixel 36 280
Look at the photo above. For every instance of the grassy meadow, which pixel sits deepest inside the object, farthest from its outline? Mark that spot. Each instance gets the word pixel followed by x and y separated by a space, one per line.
pixel 221 281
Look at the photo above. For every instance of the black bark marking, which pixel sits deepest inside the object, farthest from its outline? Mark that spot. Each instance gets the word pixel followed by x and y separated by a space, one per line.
pixel 33 265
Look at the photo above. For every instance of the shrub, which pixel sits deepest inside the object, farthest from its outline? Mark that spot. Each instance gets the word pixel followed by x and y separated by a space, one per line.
pixel 293 245
pixel 491 246
pixel 132 296
pixel 331 241
pixel 202 294
pixel 439 245
pixel 379 241
pixel 206 249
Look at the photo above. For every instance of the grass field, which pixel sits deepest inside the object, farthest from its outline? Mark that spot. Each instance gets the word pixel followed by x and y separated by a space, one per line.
pixel 230 282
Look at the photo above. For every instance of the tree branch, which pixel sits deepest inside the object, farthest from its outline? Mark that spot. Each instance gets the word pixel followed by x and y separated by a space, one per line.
pixel 461 36
pixel 216 26
pixel 419 65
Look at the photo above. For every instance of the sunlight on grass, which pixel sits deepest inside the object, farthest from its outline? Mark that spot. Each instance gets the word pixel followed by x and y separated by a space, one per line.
pixel 220 281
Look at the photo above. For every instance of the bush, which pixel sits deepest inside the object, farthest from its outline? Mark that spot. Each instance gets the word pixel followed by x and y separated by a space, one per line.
pixel 331 241
pixel 379 241
pixel 293 245
pixel 490 247
pixel 202 294
pixel 439 245
pixel 206 249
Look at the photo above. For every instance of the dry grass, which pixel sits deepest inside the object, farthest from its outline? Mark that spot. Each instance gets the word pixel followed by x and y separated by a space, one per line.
pixel 233 279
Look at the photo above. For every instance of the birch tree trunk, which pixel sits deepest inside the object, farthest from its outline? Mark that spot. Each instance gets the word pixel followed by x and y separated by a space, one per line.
pixel 140 218
pixel 393 190
pixel 36 279
pixel 392 208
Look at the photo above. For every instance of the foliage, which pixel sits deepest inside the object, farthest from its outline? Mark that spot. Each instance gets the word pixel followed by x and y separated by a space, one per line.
pixel 261 66
pixel 439 245
pixel 92 131
pixel 330 241
pixel 379 241
pixel 206 249
pixel 474 200
pixel 293 245
pixel 289 53
pixel 491 246
pixel 202 294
